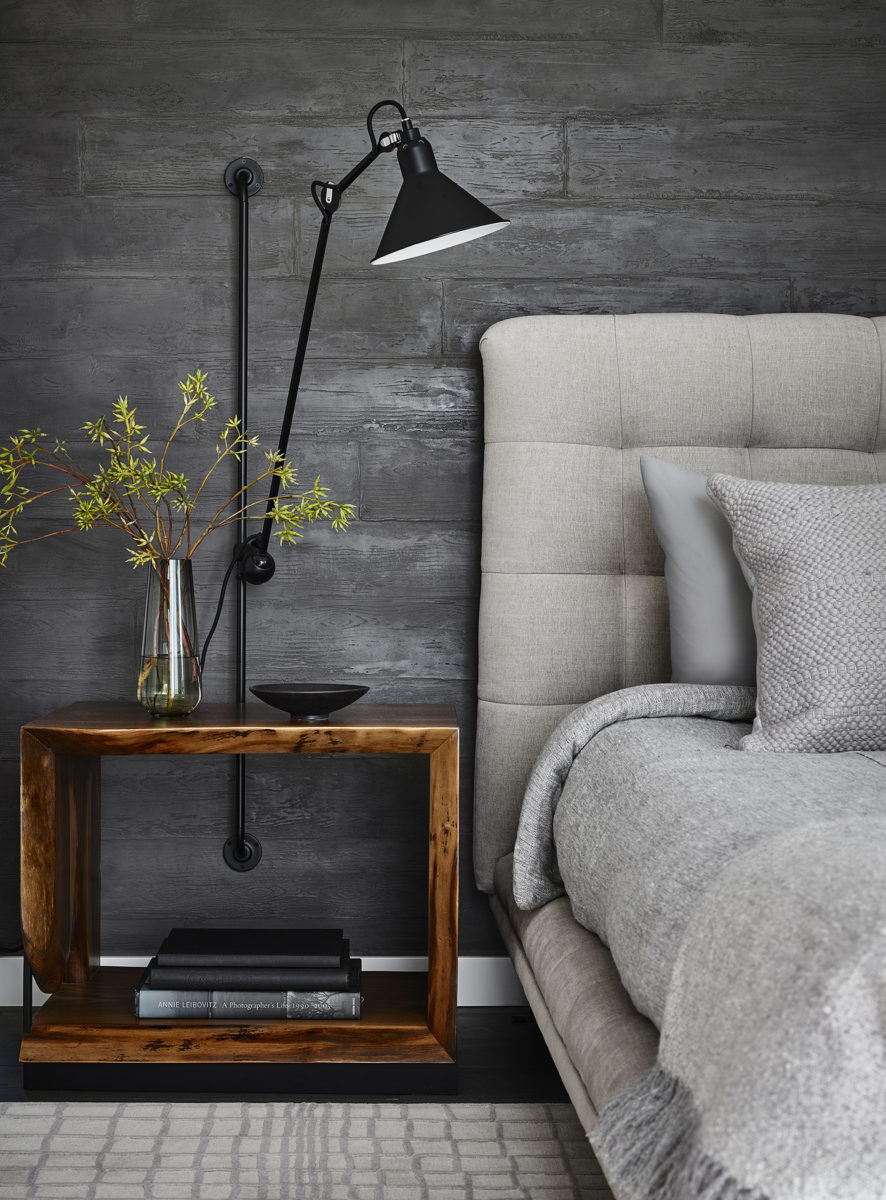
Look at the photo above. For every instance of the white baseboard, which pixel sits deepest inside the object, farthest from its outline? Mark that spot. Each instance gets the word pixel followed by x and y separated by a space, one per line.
pixel 488 981
pixel 481 981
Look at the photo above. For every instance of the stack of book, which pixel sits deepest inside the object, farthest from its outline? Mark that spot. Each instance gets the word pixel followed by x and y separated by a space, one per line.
pixel 252 974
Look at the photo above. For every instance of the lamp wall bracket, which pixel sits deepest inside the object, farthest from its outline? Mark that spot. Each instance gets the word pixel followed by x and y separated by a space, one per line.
pixel 246 857
pixel 255 176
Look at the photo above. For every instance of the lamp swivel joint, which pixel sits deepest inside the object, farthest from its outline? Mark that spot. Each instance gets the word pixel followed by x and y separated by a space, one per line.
pixel 327 196
pixel 390 140
pixel 255 564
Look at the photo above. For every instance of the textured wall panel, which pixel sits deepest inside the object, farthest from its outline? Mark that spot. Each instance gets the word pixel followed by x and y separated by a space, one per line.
pixel 651 156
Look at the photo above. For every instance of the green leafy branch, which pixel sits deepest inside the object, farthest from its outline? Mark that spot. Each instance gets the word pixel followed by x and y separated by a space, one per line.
pixel 133 491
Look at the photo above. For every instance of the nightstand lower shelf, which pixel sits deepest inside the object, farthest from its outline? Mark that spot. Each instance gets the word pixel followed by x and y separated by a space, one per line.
pixel 86 1036
pixel 86 1033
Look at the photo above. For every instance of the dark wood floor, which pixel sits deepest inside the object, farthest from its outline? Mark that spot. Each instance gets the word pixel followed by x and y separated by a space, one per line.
pixel 501 1056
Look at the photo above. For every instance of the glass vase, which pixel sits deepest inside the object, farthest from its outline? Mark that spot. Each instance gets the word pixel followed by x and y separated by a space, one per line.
pixel 169 683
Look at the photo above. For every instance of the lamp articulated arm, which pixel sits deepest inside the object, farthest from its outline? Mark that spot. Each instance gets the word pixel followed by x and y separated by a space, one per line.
pixel 244 177
pixel 431 213
pixel 256 564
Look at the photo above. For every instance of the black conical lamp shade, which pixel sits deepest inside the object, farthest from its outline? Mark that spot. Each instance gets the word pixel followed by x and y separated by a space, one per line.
pixel 431 212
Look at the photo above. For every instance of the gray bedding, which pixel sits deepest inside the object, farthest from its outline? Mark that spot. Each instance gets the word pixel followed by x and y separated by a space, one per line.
pixel 680 851
pixel 536 873
pixel 653 809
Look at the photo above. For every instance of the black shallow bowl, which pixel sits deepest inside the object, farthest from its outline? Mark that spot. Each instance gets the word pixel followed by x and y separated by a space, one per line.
pixel 310 701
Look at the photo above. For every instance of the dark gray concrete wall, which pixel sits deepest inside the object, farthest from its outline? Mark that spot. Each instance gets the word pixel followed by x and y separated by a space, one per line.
pixel 690 154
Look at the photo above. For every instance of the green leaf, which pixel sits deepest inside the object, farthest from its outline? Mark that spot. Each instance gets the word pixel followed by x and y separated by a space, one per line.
pixel 128 480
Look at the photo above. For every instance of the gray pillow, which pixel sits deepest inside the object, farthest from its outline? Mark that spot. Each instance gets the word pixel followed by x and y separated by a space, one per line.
pixel 815 557
pixel 712 633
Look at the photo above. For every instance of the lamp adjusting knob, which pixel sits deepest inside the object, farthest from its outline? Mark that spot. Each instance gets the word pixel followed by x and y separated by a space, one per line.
pixel 257 567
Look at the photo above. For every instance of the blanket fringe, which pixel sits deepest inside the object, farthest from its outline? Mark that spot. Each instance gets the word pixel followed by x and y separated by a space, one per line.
pixel 648 1143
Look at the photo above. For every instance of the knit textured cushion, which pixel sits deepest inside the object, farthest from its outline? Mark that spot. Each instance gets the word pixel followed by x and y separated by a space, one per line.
pixel 815 558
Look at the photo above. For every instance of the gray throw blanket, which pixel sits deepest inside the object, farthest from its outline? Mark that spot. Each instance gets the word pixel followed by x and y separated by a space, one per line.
pixel 743 898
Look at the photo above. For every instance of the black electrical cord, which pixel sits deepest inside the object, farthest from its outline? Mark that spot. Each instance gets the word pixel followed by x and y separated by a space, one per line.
pixel 218 611
pixel 256 566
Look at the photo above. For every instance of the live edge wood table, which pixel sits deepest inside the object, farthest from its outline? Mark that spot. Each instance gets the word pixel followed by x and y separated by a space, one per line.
pixel 86 1036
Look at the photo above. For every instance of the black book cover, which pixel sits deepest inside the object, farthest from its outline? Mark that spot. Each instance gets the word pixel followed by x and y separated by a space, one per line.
pixel 185 946
pixel 253 978
pixel 316 1004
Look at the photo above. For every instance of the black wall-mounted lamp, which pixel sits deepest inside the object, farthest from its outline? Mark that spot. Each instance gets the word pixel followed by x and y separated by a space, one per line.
pixel 431 213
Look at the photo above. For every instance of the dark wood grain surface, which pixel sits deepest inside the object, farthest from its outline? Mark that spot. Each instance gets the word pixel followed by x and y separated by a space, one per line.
pixel 443 890
pixel 127 728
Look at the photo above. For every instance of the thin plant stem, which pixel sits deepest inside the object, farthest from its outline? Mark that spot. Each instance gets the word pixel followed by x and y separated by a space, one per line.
pixel 134 493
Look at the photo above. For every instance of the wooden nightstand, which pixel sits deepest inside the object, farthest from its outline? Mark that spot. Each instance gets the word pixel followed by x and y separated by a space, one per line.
pixel 86 1036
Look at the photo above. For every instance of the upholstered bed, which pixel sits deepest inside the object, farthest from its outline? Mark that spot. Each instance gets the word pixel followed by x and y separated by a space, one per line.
pixel 612 804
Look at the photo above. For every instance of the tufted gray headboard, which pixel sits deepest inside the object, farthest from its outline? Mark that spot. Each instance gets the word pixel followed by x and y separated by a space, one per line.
pixel 573 601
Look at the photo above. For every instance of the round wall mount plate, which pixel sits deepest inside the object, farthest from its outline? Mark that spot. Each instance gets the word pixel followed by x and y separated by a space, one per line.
pixel 257 176
pixel 249 857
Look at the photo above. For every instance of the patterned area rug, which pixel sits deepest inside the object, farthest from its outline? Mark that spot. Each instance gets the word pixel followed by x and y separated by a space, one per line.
pixel 278 1151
